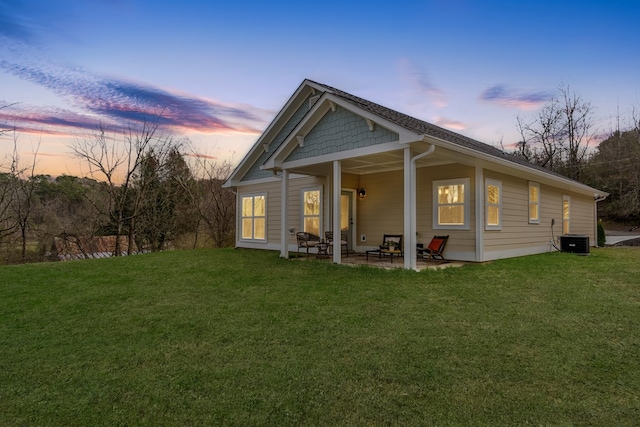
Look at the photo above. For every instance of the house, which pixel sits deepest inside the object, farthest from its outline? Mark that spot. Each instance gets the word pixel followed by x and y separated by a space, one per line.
pixel 331 161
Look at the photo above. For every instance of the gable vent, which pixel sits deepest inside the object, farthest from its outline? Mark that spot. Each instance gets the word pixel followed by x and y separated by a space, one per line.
pixel 313 100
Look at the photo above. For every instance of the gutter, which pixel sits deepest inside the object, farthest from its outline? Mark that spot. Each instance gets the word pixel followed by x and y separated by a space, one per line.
pixel 508 163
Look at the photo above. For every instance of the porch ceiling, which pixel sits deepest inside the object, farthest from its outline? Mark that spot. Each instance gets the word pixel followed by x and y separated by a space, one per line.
pixel 375 163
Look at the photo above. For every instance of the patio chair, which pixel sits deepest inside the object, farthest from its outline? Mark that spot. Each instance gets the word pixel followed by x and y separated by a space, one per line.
pixel 344 243
pixel 383 249
pixel 435 248
pixel 307 240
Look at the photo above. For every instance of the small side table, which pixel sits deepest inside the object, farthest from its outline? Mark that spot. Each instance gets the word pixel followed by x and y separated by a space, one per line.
pixel 391 253
pixel 323 250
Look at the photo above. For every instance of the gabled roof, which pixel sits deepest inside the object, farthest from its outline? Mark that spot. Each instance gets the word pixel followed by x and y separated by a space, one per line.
pixel 425 128
pixel 411 124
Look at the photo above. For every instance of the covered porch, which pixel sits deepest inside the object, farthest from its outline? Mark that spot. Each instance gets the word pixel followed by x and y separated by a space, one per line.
pixel 385 196
pixel 358 259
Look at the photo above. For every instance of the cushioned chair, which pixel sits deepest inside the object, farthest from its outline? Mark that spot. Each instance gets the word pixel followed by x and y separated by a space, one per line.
pixel 307 240
pixel 435 248
pixel 344 243
pixel 396 238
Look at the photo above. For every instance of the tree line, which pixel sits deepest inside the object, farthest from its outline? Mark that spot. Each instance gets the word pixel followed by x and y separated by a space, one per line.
pixel 143 189
pixel 563 138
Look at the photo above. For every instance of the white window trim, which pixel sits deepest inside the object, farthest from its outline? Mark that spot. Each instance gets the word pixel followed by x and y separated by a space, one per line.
pixel 253 217
pixel 494 183
pixel 567 199
pixel 529 203
pixel 320 215
pixel 466 182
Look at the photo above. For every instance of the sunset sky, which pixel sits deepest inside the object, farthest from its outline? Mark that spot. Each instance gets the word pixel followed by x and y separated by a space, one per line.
pixel 219 71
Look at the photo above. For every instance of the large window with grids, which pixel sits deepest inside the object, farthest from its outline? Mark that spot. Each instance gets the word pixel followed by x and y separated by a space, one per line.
pixel 312 210
pixel 493 204
pixel 534 203
pixel 566 214
pixel 254 217
pixel 451 204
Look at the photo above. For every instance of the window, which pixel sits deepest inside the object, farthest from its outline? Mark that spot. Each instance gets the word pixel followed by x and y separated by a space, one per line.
pixel 566 214
pixel 311 209
pixel 493 199
pixel 534 203
pixel 451 204
pixel 254 217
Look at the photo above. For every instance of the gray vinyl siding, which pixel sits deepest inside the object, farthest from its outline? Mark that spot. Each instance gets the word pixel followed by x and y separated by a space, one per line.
pixel 340 130
pixel 255 172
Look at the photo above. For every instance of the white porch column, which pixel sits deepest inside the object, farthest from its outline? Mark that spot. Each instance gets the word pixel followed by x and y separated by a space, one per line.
pixel 337 190
pixel 284 217
pixel 409 239
pixel 479 185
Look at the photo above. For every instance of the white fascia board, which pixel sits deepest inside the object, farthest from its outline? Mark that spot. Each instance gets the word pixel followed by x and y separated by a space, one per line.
pixel 322 107
pixel 531 174
pixel 229 183
pixel 271 179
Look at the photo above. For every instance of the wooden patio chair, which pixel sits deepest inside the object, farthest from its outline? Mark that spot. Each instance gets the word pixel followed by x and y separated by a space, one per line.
pixel 435 248
pixel 307 240
pixel 396 238
pixel 344 243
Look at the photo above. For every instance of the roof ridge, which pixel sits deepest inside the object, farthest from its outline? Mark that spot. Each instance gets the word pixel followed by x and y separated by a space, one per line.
pixel 421 126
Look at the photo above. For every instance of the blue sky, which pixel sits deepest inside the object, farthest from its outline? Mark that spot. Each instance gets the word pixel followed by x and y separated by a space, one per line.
pixel 219 71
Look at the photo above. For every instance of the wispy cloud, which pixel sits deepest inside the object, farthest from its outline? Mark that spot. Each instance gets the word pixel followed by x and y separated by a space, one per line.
pixel 93 98
pixel 421 84
pixel 450 124
pixel 202 156
pixel 503 95
pixel 118 101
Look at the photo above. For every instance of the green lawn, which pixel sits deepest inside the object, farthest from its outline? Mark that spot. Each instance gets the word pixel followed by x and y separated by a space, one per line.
pixel 239 337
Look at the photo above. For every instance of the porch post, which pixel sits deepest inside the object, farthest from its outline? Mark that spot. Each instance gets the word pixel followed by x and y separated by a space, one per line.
pixel 479 213
pixel 410 261
pixel 337 189
pixel 284 218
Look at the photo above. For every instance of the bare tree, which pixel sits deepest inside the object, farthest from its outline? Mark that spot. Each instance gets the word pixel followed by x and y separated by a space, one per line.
pixel 214 203
pixel 541 141
pixel 116 164
pixel 7 222
pixel 559 137
pixel 7 181
pixel 22 198
pixel 576 116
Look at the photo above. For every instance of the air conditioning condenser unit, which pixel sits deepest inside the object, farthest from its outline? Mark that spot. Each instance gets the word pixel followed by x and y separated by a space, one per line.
pixel 575 243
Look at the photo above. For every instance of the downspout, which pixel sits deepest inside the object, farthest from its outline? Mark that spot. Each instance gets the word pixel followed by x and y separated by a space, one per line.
pixel 411 261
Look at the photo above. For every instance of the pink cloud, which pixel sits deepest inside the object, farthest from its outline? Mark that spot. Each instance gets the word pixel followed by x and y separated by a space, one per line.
pixel 450 124
pixel 502 95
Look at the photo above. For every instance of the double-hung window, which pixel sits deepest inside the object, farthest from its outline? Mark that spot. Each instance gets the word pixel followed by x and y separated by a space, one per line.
pixel 566 214
pixel 311 210
pixel 451 204
pixel 493 204
pixel 534 203
pixel 254 217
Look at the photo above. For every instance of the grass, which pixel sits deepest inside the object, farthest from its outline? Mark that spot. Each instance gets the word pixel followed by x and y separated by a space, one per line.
pixel 239 337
